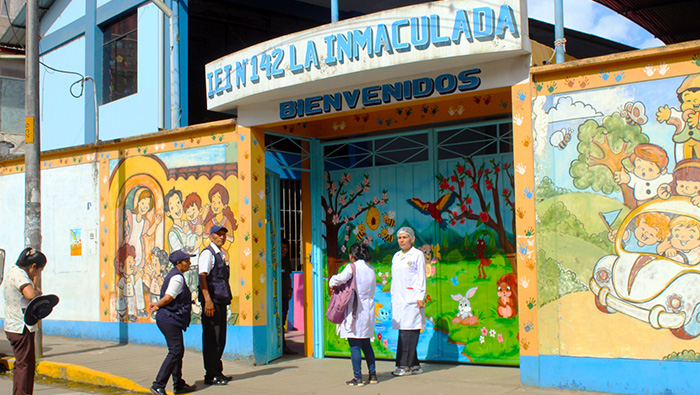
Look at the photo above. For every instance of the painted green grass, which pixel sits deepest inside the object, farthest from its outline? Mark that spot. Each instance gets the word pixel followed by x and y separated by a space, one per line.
pixel 585 206
pixel 572 253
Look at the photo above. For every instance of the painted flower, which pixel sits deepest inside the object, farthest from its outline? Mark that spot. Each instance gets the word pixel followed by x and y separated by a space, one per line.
pixel 375 200
pixel 347 237
pixel 336 219
pixel 484 216
pixel 469 200
pixel 484 331
pixel 500 338
pixel 358 188
pixel 359 208
pixel 330 210
pixel 366 189
pixel 482 339
pixel 460 169
pixel 492 333
pixel 341 199
pixel 382 202
pixel 365 181
pixel 342 248
pixel 348 177
pixel 461 183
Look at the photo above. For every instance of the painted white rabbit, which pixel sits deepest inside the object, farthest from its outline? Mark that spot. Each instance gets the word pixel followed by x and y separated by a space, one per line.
pixel 465 307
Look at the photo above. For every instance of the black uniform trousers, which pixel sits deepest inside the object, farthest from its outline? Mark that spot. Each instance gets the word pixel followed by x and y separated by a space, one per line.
pixel 172 365
pixel 214 341
pixel 407 349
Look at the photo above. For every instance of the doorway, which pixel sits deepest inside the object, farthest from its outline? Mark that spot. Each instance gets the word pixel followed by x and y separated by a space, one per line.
pixel 288 158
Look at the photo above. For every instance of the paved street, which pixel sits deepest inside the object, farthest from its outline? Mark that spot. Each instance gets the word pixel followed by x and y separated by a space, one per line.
pixel 133 367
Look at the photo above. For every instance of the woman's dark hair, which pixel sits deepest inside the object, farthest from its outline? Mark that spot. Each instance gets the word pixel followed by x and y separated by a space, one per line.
pixel 360 251
pixel 30 256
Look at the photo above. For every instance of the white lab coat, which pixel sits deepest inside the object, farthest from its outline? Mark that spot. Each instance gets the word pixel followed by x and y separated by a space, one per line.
pixel 365 283
pixel 408 286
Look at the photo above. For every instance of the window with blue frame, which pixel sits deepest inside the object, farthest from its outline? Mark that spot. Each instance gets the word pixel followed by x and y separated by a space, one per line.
pixel 119 58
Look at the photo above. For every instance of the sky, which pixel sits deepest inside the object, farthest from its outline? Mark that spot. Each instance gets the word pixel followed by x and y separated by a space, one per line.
pixel 589 17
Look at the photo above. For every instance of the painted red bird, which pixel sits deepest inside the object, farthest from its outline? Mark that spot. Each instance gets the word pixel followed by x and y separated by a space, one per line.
pixel 436 209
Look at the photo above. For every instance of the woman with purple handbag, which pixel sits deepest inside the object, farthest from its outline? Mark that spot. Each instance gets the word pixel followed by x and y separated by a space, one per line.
pixel 358 325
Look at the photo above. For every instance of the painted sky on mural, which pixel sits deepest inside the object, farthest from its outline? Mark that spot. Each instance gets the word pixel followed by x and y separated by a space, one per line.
pixel 592 18
pixel 570 110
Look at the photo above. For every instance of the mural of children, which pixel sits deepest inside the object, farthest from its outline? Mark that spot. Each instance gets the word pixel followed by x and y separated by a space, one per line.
pixel 649 172
pixel 195 213
pixel 180 237
pixel 685 240
pixel 156 272
pixel 130 302
pixel 685 121
pixel 686 181
pixel 220 214
pixel 651 229
pixel 139 228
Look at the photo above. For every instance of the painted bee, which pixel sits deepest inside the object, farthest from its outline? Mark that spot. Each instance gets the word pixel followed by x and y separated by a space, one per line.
pixel 390 219
pixel 360 232
pixel 387 234
pixel 560 139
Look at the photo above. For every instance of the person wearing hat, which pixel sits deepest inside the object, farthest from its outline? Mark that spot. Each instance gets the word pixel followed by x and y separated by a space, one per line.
pixel 686 120
pixel 173 317
pixel 408 288
pixel 215 296
pixel 19 291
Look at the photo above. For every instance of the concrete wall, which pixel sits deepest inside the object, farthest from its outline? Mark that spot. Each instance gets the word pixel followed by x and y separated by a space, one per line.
pixel 607 165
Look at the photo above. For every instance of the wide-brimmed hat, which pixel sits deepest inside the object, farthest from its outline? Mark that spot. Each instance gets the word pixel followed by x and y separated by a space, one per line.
pixel 179 255
pixel 39 308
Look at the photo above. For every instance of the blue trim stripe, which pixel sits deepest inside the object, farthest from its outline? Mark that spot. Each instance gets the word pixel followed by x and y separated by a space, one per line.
pixel 239 339
pixel 620 375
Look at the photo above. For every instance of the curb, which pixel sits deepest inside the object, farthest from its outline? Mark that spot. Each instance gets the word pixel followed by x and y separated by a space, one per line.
pixel 79 374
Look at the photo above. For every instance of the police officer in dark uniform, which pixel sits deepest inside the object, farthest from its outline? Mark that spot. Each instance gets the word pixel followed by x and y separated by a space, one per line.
pixel 173 317
pixel 215 296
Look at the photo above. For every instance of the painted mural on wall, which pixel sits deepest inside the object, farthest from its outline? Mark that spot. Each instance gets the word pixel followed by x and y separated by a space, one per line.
pixel 159 202
pixel 618 214
pixel 464 224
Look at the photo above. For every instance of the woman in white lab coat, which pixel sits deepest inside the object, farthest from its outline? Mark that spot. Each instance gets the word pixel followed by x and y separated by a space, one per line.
pixel 359 330
pixel 407 301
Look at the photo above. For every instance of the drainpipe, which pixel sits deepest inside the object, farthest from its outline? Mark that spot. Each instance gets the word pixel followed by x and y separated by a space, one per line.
pixel 175 67
pixel 334 11
pixel 173 15
pixel 559 40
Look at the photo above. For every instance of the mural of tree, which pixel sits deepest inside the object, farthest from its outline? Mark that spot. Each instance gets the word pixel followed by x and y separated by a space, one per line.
pixel 334 203
pixel 466 180
pixel 602 148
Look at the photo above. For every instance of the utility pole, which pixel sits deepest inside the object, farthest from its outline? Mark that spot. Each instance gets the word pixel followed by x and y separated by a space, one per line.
pixel 32 176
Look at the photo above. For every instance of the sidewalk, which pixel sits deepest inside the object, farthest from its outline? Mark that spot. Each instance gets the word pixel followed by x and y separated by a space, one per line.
pixel 133 367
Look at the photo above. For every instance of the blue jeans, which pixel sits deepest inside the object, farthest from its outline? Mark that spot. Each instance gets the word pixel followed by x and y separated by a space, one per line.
pixel 355 355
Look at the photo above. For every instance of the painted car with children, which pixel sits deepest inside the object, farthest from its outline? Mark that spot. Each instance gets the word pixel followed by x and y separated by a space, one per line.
pixel 654 275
